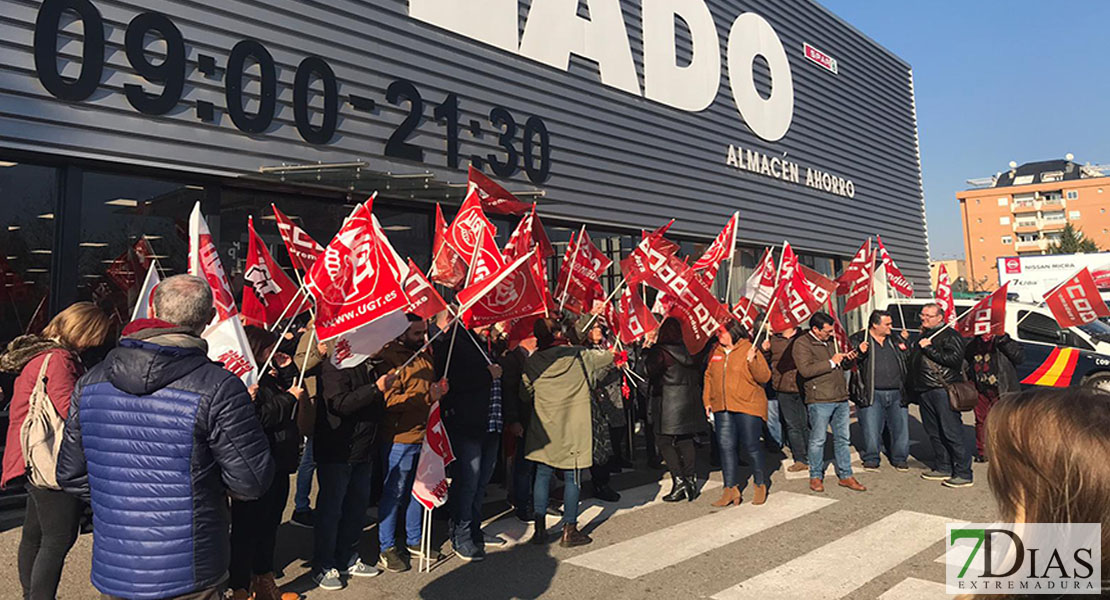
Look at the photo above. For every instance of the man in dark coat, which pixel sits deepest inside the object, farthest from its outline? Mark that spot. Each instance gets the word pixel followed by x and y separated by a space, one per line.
pixel 878 389
pixel 472 414
pixel 157 437
pixel 937 359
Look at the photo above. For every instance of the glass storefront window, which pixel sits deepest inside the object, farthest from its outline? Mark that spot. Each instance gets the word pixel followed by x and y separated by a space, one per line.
pixel 127 222
pixel 29 196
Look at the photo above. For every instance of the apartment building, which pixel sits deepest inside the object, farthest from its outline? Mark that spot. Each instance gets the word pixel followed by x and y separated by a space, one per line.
pixel 1023 210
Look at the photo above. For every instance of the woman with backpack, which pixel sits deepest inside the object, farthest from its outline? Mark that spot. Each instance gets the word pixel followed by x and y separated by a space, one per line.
pixel 254 523
pixel 48 365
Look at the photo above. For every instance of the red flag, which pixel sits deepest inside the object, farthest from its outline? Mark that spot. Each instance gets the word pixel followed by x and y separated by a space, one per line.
pixel 721 249
pixel 638 320
pixel 761 285
pixel 944 295
pixel 495 199
pixel 269 293
pixel 580 276
pixel 464 233
pixel 662 242
pixel 793 301
pixel 303 250
pixel 424 300
pixel 652 250
pixel 857 279
pixel 145 301
pixel 822 288
pixel 1076 301
pixel 429 486
pixel 522 240
pixel 487 257
pixel 839 333
pixel 987 316
pixel 204 261
pixel 128 267
pixel 521 329
pixel 695 307
pixel 356 280
pixel 512 292
pixel 448 268
pixel 745 312
pixel 539 234
pixel 894 275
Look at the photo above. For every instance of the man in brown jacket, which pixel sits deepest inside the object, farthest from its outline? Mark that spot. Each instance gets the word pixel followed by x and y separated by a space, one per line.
pixel 825 390
pixel 407 404
pixel 784 380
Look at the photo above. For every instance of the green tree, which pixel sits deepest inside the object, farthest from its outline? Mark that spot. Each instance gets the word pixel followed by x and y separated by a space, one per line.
pixel 1072 241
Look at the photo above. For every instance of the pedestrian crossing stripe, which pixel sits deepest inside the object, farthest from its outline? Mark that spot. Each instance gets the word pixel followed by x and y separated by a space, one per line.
pixel 1057 369
pixel 844 565
pixel 913 588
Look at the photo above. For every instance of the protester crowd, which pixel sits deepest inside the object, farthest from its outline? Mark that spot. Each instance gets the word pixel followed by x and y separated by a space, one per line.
pixel 183 439
pixel 162 441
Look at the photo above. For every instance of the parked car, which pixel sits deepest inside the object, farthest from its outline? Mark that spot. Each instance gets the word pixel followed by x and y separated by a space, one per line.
pixel 1054 356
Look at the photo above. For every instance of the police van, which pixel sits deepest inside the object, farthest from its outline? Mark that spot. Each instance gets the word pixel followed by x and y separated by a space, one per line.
pixel 1054 356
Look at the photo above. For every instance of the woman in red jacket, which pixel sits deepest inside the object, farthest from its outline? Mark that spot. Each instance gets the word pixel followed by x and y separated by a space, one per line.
pixel 50 526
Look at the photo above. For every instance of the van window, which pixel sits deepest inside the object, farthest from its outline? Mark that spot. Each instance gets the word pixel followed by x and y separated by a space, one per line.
pixel 911 312
pixel 1044 329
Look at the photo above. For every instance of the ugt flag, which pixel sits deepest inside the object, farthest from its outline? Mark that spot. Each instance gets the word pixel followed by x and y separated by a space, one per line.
pixel 429 486
pixel 357 280
pixel 424 300
pixel 1077 301
pixel 988 316
pixel 495 199
pixel 448 268
pixel 465 231
pixel 268 294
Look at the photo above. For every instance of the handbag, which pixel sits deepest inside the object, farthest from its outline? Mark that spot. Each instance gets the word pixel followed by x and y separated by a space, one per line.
pixel 962 395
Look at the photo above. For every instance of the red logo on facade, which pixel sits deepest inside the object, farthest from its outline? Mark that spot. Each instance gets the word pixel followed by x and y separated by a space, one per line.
pixel 815 55
pixel 1013 266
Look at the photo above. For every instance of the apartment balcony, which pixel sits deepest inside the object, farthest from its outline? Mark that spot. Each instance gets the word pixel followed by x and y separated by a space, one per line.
pixel 1027 227
pixel 1032 246
pixel 1048 204
pixel 1024 206
pixel 1053 225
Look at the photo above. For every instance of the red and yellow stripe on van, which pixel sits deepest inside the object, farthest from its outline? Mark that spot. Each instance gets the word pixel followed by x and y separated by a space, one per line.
pixel 1057 369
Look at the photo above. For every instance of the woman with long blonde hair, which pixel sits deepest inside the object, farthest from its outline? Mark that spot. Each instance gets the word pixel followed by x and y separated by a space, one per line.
pixel 52 519
pixel 1050 461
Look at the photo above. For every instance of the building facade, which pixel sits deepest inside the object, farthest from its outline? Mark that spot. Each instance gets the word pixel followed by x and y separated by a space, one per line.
pixel 1022 212
pixel 957 273
pixel 116 117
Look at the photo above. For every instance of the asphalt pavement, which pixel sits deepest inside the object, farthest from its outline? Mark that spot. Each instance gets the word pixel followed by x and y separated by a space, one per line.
pixel 883 543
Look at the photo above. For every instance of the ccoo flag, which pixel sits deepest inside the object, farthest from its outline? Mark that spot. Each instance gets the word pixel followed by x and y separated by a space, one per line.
pixel 1077 301
pixel 943 295
pixel 987 317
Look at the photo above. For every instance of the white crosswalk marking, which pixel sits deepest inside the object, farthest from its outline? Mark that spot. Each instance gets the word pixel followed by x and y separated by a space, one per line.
pixel 593 511
pixel 641 555
pixel 913 588
pixel 839 567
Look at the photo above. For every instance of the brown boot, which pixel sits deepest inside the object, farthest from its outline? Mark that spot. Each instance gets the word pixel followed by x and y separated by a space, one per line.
pixel 760 495
pixel 816 484
pixel 797 466
pixel 729 496
pixel 852 484
pixel 265 588
pixel 572 537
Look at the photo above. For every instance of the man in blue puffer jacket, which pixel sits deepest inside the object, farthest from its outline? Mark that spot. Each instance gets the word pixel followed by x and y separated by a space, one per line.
pixel 157 437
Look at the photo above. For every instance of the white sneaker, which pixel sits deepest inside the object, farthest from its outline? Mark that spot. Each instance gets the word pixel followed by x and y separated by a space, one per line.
pixel 361 569
pixel 328 580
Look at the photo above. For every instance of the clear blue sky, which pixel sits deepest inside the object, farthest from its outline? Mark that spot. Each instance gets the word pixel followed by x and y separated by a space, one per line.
pixel 995 81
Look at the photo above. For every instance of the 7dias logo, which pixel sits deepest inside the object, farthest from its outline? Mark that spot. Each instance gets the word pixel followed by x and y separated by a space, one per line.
pixel 1024 558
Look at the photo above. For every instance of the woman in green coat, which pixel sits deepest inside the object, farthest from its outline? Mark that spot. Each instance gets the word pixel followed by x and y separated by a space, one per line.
pixel 557 378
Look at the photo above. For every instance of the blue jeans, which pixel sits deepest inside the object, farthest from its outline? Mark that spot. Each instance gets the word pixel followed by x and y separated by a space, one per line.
pixel 304 479
pixel 821 416
pixel 523 472
pixel 470 473
pixel 400 463
pixel 571 492
pixel 736 429
pixel 340 512
pixel 945 429
pixel 774 422
pixel 886 409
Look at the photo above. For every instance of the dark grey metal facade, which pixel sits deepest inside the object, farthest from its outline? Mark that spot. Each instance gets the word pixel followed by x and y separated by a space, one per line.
pixel 615 158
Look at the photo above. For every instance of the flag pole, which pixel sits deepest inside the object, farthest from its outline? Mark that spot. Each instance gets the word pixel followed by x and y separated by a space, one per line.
pixel 300 290
pixel 732 257
pixel 570 269
pixel 774 296
pixel 425 565
pixel 277 344
pixel 608 299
